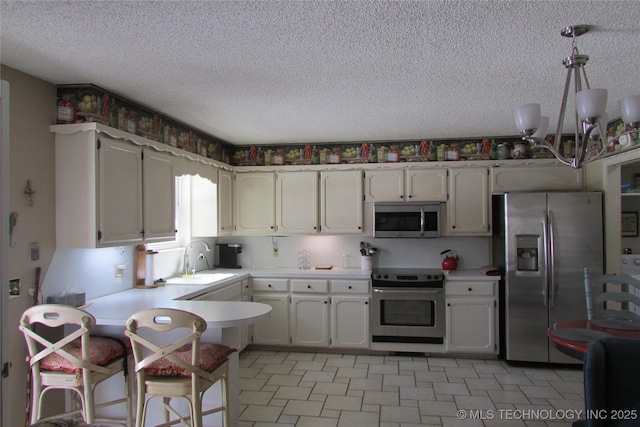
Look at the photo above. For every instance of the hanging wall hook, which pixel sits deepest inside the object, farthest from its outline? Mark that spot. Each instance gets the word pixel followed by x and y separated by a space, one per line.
pixel 30 193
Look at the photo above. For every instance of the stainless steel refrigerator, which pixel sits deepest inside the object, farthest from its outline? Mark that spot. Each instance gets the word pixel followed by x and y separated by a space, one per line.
pixel 543 242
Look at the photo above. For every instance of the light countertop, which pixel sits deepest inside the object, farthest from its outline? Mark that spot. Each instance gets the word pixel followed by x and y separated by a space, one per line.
pixel 115 309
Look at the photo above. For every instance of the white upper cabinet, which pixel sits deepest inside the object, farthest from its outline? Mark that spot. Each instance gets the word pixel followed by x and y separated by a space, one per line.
pixel 119 192
pixel 384 185
pixel 159 203
pixel 412 185
pixel 341 202
pixel 426 185
pixel 254 203
pixel 225 202
pixel 297 202
pixel 535 178
pixel 469 203
pixel 107 193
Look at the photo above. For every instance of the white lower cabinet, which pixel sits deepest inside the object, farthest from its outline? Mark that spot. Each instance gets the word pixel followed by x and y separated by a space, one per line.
pixel 315 313
pixel 350 313
pixel 274 292
pixel 471 310
pixel 350 321
pixel 310 320
pixel 309 312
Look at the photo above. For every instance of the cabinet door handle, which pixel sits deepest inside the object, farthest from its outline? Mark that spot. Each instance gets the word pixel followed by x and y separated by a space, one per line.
pixel 470 289
pixel 269 285
pixel 350 287
pixel 308 286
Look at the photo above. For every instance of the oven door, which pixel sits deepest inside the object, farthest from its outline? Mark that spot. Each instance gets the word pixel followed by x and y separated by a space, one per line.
pixel 409 315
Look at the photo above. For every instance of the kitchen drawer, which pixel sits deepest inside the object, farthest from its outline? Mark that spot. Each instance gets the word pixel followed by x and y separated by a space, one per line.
pixel 350 287
pixel 469 288
pixel 274 285
pixel 310 285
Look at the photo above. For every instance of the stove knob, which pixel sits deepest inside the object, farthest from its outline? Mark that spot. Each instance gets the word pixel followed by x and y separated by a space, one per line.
pixel 386 276
pixel 378 276
pixel 428 277
pixel 624 261
pixel 636 261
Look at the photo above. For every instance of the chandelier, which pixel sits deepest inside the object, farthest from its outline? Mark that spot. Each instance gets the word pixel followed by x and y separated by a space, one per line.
pixel 591 140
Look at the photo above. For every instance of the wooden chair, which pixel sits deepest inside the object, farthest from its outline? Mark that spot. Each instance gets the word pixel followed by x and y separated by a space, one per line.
pixel 76 362
pixel 185 368
pixel 615 300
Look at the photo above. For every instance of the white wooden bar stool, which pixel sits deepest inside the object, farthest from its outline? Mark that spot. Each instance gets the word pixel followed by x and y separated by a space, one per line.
pixel 77 362
pixel 186 368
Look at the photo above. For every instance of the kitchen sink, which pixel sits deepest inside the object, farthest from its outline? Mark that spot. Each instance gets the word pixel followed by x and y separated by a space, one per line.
pixel 199 279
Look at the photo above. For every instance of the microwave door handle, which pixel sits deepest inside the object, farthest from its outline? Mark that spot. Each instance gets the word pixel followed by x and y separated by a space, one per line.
pixel 422 221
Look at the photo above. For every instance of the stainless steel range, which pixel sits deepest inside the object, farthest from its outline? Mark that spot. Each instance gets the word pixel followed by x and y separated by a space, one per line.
pixel 408 306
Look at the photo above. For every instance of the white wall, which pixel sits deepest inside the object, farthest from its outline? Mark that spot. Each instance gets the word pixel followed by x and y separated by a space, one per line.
pixel 31 157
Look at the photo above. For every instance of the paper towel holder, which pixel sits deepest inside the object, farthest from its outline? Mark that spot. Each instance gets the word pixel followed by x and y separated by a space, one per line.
pixel 141 267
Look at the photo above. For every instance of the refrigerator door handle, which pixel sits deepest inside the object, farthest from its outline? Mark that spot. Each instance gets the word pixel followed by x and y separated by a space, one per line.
pixel 545 245
pixel 552 261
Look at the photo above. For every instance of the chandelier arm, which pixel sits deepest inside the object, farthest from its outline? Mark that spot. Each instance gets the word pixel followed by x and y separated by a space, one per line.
pixel 590 142
pixel 582 151
pixel 563 108
pixel 581 140
pixel 602 130
pixel 585 78
pixel 544 144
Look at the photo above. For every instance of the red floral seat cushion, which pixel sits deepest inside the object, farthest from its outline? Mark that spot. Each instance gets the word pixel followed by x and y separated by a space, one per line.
pixel 102 350
pixel 211 355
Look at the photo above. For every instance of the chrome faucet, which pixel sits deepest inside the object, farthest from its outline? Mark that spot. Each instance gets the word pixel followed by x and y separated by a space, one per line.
pixel 185 266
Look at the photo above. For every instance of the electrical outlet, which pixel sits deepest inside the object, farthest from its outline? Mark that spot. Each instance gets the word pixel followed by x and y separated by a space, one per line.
pixel 118 270
pixel 276 251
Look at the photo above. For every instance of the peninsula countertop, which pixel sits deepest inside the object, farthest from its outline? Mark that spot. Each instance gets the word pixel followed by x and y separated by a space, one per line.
pixel 115 309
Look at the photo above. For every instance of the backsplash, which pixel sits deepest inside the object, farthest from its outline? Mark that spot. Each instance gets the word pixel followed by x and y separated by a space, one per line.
pixel 257 252
pixel 92 270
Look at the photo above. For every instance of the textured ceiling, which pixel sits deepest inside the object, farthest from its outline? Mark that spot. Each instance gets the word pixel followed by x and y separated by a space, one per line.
pixel 272 72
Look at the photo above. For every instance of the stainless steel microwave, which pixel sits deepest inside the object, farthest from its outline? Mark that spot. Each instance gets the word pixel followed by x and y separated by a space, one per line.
pixel 406 220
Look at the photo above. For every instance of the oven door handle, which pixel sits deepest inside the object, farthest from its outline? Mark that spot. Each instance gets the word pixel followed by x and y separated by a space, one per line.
pixel 421 291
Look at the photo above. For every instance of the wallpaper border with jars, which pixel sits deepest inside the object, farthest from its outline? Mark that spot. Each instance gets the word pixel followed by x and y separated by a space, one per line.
pixel 79 103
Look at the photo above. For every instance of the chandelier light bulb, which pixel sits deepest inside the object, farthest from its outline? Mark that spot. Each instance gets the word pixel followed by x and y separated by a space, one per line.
pixel 543 127
pixel 527 118
pixel 630 109
pixel 591 104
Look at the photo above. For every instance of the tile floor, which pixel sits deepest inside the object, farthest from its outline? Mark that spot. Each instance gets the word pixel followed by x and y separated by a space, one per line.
pixel 305 389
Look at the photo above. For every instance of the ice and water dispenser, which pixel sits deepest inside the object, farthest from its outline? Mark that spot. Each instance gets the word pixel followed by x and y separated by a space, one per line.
pixel 527 252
